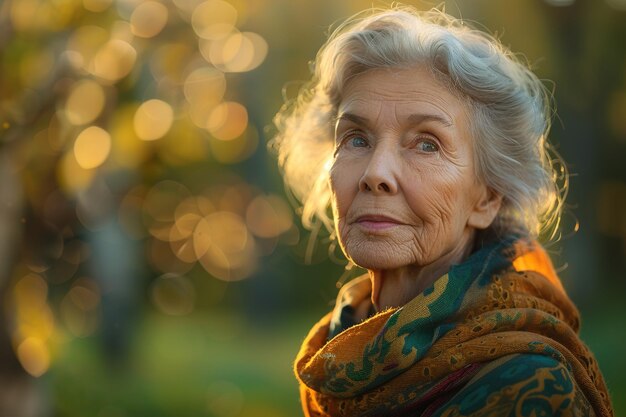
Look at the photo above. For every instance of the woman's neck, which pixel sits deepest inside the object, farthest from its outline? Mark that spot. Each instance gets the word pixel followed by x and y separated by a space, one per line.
pixel 396 287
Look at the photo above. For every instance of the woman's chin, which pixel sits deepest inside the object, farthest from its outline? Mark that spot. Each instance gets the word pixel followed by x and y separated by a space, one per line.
pixel 376 260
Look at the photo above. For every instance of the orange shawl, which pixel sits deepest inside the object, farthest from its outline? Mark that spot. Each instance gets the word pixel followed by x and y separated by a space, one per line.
pixel 495 336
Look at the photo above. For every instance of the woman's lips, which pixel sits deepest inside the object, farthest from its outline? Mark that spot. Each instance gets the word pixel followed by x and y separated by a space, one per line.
pixel 377 222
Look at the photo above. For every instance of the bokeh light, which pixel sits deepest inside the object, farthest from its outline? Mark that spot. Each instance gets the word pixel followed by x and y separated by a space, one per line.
pixel 228 120
pixel 204 89
pixel 35 324
pixel 34 356
pixel 226 248
pixel 92 147
pixel 39 15
pixel 84 43
pixel 114 60
pixel 148 19
pixel 153 119
pixel 237 52
pixel 268 216
pixel 214 19
pixel 85 102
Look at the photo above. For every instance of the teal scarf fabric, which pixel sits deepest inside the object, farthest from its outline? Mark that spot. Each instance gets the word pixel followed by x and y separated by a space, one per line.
pixel 495 336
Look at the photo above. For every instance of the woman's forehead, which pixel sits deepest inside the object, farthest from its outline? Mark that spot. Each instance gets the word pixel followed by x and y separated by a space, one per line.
pixel 407 94
pixel 412 118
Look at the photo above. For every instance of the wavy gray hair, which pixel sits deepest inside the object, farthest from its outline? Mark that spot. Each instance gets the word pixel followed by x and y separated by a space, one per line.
pixel 510 112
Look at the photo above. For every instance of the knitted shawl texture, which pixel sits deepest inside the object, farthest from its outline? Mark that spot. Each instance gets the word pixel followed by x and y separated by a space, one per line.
pixel 495 336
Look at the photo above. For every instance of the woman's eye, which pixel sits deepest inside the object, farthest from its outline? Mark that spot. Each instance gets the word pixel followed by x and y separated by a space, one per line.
pixel 427 146
pixel 352 141
pixel 358 142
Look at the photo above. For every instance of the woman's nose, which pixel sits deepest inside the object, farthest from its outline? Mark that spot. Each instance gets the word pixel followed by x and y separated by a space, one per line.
pixel 380 174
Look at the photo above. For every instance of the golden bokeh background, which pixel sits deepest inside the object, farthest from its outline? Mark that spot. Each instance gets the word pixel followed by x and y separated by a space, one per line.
pixel 152 263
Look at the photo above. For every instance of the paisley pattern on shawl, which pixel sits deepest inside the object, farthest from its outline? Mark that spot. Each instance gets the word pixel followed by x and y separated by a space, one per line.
pixel 496 335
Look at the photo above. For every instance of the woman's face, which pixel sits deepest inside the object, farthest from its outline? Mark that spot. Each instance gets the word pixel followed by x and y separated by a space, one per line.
pixel 403 182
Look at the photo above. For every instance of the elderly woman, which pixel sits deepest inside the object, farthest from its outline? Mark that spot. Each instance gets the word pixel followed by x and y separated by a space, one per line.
pixel 428 140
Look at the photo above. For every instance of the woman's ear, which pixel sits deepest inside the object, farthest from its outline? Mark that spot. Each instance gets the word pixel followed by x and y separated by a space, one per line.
pixel 486 209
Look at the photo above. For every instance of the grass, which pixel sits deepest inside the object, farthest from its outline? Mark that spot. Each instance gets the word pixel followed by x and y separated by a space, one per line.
pixel 200 365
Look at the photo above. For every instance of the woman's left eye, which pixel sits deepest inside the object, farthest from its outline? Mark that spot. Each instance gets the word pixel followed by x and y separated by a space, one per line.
pixel 427 146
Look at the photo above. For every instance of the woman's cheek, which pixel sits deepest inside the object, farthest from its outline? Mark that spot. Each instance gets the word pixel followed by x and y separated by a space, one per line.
pixel 343 186
pixel 433 196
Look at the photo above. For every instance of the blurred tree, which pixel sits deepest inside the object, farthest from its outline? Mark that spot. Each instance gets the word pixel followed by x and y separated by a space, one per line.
pixel 102 104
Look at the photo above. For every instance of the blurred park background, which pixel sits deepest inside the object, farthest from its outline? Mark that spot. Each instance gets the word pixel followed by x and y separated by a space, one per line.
pixel 151 263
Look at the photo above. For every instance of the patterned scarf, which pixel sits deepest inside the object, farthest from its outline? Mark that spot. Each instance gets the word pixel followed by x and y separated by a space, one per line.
pixel 495 336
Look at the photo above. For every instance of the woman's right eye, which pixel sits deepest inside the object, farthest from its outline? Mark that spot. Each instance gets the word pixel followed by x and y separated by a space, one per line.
pixel 358 141
pixel 352 141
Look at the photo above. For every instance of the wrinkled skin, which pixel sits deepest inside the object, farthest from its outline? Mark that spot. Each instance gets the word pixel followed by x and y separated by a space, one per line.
pixel 404 151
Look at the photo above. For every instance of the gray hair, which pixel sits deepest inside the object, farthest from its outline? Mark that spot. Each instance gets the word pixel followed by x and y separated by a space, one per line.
pixel 510 112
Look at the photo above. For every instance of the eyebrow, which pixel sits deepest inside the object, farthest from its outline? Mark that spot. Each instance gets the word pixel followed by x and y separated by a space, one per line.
pixel 413 119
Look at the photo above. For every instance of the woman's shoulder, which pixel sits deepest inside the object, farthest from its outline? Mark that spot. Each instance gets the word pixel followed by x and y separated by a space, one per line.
pixel 520 384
